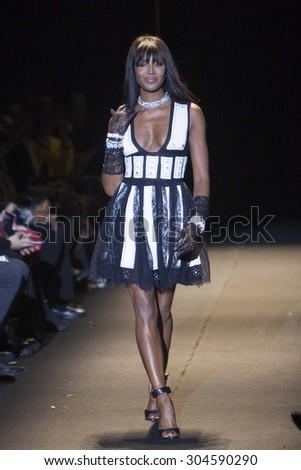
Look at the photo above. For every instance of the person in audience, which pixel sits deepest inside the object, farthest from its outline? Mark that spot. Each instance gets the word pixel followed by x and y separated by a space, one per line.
pixel 55 258
pixel 27 322
pixel 39 139
pixel 13 277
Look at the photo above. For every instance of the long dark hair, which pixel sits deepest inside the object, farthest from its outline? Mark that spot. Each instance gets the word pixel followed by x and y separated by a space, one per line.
pixel 155 47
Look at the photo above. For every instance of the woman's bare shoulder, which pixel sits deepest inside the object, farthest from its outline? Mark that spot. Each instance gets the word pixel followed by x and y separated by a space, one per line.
pixel 196 114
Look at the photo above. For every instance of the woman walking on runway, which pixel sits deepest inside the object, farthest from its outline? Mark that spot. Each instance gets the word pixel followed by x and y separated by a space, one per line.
pixel 151 237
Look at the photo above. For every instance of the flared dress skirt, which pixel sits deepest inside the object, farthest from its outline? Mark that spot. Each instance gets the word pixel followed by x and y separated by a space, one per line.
pixel 137 240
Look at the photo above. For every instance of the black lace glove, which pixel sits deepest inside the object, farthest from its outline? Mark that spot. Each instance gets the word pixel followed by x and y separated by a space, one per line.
pixel 186 240
pixel 118 124
pixel 191 234
pixel 200 206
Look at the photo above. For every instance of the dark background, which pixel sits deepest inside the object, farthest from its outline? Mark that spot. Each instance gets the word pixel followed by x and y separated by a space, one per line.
pixel 241 57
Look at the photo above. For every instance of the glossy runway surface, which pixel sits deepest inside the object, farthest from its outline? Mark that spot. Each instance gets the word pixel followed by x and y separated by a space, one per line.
pixel 235 366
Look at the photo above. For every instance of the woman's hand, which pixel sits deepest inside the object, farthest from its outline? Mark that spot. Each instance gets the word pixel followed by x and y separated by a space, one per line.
pixel 187 240
pixel 121 119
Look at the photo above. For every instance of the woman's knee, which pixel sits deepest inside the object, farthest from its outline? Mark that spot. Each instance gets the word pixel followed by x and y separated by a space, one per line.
pixel 144 305
pixel 145 312
pixel 164 304
pixel 166 315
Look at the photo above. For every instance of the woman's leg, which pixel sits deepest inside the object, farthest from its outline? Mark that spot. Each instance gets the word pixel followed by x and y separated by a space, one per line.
pixel 164 302
pixel 165 322
pixel 149 341
pixel 147 333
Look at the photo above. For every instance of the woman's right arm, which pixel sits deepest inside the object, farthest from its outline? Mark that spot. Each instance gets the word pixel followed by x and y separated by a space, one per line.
pixel 113 166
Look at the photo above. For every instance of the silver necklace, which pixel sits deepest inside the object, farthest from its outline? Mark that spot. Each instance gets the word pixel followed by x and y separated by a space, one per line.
pixel 153 104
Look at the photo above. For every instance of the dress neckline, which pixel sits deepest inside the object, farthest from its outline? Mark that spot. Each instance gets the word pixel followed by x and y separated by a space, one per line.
pixel 171 111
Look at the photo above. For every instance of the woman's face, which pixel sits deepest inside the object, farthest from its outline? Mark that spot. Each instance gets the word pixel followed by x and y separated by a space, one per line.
pixel 150 75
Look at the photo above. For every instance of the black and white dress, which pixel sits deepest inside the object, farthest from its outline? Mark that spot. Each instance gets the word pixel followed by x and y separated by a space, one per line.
pixel 137 239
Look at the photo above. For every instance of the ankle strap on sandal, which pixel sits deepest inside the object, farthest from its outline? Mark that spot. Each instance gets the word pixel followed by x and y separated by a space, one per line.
pixel 150 385
pixel 159 391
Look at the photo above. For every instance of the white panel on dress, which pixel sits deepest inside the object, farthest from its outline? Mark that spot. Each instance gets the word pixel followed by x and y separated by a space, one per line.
pixel 151 166
pixel 138 162
pixel 128 162
pixel 179 127
pixel 128 146
pixel 149 224
pixel 179 168
pixel 180 215
pixel 166 167
pixel 195 262
pixel 167 189
pixel 129 246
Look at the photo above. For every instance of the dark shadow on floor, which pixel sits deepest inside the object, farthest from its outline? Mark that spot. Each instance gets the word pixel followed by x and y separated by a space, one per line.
pixel 296 418
pixel 151 441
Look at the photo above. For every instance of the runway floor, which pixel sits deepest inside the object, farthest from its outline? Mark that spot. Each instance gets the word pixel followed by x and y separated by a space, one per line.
pixel 234 366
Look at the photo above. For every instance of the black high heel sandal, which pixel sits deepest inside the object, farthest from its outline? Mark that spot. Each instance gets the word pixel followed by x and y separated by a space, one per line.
pixel 176 431
pixel 152 415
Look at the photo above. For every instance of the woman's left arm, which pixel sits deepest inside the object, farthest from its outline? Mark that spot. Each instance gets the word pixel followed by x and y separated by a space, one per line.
pixel 195 225
pixel 199 152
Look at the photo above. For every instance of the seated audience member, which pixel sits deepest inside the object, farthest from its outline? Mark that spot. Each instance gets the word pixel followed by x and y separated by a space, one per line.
pixel 38 148
pixel 31 318
pixel 41 147
pixel 13 276
pixel 85 134
pixel 51 144
pixel 26 325
pixel 17 155
pixel 56 255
